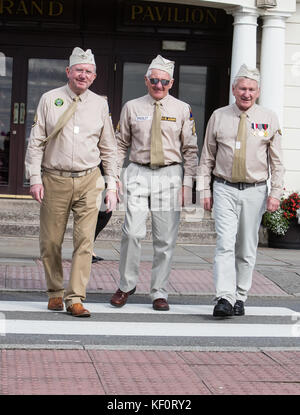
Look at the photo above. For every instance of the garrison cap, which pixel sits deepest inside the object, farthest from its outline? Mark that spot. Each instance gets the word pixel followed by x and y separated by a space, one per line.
pixel 246 72
pixel 163 64
pixel 80 56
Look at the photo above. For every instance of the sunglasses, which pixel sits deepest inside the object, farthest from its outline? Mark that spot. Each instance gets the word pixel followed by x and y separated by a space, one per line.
pixel 155 81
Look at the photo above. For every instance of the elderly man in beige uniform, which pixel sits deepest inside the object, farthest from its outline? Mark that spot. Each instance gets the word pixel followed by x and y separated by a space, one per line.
pixel 242 143
pixel 72 132
pixel 161 132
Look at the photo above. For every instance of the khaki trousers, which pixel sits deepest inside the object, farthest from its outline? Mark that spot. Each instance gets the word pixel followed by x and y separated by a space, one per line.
pixel 237 216
pixel 157 190
pixel 82 196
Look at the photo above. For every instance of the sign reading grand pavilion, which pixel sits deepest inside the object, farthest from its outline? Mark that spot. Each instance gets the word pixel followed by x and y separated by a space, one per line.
pixel 164 14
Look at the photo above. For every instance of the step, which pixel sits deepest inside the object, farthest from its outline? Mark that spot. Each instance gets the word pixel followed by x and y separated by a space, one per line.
pixel 21 217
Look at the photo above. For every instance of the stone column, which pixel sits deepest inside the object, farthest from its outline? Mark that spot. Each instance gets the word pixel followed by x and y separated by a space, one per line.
pixel 272 63
pixel 244 41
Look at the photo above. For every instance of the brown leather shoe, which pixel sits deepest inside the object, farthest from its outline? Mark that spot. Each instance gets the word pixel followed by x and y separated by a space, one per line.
pixel 161 304
pixel 120 298
pixel 77 310
pixel 55 304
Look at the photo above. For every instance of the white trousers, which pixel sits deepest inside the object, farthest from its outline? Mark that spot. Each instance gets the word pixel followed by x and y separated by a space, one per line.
pixel 157 190
pixel 237 216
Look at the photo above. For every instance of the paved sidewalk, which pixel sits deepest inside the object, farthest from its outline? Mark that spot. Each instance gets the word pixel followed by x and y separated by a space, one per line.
pixel 277 271
pixel 94 370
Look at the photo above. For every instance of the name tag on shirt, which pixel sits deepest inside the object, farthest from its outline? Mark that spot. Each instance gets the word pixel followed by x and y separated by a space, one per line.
pixel 143 117
pixel 238 145
pixel 76 129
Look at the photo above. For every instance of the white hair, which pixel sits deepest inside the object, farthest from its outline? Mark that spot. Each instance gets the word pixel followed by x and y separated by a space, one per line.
pixel 237 78
pixel 149 72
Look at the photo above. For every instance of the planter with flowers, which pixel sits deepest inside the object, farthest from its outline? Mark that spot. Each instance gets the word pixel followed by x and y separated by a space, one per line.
pixel 284 224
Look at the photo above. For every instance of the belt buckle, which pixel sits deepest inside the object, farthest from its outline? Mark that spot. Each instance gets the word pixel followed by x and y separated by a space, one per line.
pixel 65 174
pixel 153 167
pixel 75 174
pixel 241 186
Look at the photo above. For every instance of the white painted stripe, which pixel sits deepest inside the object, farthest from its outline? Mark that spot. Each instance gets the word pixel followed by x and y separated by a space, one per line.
pixel 84 328
pixel 35 306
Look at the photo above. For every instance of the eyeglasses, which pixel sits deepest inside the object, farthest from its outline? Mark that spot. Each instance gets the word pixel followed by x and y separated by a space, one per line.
pixel 82 71
pixel 155 81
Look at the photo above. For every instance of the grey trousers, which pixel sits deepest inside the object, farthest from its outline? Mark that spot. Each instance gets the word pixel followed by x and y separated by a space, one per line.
pixel 237 216
pixel 158 191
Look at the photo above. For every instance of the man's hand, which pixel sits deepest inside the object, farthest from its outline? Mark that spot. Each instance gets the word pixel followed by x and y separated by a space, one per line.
pixel 111 200
pixel 186 196
pixel 207 203
pixel 272 204
pixel 119 191
pixel 37 192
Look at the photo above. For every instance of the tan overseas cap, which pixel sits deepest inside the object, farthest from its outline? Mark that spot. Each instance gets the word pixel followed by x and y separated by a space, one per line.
pixel 163 64
pixel 80 56
pixel 251 73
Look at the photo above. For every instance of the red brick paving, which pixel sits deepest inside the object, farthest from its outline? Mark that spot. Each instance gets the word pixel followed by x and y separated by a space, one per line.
pixel 105 278
pixel 137 372
pixel 132 372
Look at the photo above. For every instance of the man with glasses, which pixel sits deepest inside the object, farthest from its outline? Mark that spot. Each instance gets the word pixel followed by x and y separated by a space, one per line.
pixel 161 133
pixel 71 134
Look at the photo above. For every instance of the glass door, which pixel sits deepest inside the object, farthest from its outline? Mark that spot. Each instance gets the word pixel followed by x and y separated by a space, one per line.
pixel 43 75
pixel 6 64
pixel 22 82
pixel 192 89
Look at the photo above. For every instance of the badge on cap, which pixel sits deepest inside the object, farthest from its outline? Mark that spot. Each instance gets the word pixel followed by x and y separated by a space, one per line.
pixel 59 102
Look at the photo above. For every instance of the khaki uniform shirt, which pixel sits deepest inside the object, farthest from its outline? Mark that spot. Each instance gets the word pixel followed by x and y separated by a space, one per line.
pixel 86 139
pixel 178 133
pixel 263 149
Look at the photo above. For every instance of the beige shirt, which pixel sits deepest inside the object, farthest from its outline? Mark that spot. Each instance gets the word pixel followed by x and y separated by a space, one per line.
pixel 263 148
pixel 86 139
pixel 178 133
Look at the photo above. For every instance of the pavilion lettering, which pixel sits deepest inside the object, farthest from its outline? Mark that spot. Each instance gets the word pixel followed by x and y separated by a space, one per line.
pixel 52 8
pixel 172 15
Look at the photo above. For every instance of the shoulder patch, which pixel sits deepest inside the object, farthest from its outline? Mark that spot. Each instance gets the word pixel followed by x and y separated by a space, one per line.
pixel 34 121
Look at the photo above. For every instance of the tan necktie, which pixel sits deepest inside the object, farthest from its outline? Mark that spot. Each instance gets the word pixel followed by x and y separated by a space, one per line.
pixel 239 161
pixel 63 119
pixel 156 151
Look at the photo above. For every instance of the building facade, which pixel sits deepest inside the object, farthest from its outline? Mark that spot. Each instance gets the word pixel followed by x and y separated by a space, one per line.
pixel 208 40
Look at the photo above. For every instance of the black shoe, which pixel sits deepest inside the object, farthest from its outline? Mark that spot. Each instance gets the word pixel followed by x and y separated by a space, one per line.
pixel 239 309
pixel 96 258
pixel 223 308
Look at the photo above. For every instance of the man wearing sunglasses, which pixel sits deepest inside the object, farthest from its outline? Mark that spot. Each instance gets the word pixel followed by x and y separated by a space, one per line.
pixel 161 133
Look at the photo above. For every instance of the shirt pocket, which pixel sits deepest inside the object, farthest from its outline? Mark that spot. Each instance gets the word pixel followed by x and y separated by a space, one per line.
pixel 171 126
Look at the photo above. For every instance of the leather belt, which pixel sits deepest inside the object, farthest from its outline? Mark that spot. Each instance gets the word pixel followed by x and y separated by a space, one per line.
pixel 240 185
pixel 63 173
pixel 155 167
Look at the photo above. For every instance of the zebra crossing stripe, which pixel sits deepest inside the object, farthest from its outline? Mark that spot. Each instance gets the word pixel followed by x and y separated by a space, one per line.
pixel 100 328
pixel 130 308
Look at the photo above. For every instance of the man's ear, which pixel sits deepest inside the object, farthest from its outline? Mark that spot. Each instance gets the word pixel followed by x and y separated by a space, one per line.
pixel 171 83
